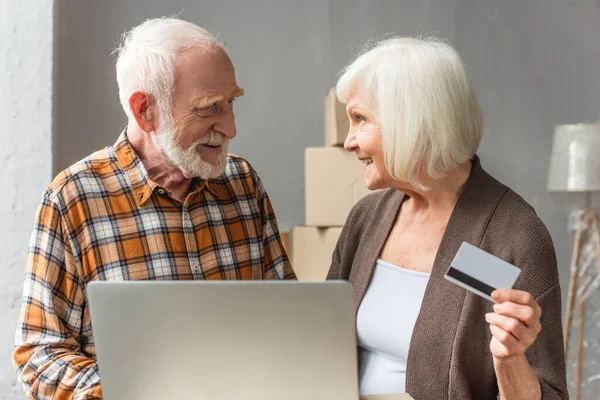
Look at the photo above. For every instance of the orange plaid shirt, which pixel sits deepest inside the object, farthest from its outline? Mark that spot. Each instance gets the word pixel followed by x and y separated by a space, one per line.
pixel 104 219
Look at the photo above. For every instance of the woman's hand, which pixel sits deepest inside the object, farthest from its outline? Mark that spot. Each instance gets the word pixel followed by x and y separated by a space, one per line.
pixel 515 323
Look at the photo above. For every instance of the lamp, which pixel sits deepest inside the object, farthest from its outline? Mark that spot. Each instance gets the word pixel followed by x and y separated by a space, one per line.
pixel 575 167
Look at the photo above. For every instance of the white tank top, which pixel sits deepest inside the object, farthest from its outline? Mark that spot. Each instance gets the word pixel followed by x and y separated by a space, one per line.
pixel 384 324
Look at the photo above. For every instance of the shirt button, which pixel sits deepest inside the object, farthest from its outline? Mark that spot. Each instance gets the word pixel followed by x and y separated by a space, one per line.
pixel 161 191
pixel 195 267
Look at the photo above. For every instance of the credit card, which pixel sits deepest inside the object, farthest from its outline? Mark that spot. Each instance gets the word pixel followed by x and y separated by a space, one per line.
pixel 480 272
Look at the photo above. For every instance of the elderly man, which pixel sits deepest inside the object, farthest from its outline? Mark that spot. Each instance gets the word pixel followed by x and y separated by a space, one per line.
pixel 166 201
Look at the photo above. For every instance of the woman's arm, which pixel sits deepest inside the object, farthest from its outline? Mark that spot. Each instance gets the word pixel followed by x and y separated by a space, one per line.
pixel 527 359
pixel 515 325
pixel 516 379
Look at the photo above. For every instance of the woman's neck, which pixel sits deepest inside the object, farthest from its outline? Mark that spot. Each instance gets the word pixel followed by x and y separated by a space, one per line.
pixel 442 195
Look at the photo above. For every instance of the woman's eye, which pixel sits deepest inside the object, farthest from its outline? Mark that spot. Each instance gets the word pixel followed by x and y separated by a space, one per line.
pixel 359 118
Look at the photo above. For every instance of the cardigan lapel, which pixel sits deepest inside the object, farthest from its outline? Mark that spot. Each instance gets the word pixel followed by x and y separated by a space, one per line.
pixel 376 232
pixel 430 354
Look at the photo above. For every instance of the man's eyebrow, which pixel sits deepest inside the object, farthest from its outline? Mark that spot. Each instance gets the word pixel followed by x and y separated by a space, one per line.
pixel 204 102
pixel 239 92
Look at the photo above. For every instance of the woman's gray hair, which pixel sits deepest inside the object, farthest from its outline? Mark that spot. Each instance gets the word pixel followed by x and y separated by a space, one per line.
pixel 419 90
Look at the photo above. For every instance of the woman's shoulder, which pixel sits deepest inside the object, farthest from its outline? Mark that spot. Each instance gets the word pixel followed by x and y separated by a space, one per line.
pixel 511 212
pixel 519 217
pixel 518 233
pixel 367 216
pixel 375 205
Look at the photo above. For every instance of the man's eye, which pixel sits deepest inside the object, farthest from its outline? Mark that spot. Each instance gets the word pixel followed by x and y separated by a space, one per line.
pixel 204 111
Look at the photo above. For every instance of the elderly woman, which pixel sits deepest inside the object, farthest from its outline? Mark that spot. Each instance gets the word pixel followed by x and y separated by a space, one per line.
pixel 416 126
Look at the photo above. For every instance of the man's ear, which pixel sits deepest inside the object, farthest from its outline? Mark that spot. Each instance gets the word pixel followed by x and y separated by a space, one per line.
pixel 144 110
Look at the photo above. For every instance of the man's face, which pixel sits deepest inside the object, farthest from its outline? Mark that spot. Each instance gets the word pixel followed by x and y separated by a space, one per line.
pixel 195 135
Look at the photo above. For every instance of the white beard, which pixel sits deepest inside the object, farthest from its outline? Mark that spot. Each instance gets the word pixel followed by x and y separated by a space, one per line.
pixel 188 160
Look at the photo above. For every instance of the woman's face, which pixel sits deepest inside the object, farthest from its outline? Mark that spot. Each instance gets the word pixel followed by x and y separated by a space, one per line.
pixel 364 139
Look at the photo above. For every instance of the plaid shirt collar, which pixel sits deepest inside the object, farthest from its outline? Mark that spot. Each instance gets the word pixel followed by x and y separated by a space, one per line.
pixel 144 186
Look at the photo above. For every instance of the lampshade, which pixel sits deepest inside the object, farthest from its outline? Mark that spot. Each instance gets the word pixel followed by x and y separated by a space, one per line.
pixel 575 160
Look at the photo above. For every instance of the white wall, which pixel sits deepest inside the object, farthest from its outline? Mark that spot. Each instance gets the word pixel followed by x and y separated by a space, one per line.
pixel 26 53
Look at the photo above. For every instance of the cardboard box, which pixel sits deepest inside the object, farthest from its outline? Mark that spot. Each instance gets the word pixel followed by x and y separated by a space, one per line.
pixel 285 235
pixel 399 396
pixel 313 248
pixel 337 123
pixel 334 182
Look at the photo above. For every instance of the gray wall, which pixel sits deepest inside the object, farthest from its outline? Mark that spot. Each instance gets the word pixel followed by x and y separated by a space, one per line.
pixel 287 55
pixel 534 64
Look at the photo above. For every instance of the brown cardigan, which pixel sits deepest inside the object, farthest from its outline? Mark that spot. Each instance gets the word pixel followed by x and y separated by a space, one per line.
pixel 449 355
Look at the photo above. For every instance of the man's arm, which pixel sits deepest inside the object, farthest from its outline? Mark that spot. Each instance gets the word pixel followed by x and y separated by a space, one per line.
pixel 48 356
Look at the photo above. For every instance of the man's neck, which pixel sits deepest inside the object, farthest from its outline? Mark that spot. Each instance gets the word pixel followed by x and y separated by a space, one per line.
pixel 160 170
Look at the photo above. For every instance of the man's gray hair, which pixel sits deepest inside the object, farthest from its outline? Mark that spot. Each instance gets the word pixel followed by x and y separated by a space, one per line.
pixel 147 57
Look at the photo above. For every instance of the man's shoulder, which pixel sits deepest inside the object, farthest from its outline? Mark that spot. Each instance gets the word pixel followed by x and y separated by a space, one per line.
pixel 241 176
pixel 238 167
pixel 84 176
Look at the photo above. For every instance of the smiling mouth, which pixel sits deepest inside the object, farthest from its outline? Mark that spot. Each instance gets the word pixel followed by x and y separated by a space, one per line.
pixel 367 161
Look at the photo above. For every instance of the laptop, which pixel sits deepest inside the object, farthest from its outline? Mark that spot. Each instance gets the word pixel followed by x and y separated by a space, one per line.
pixel 225 340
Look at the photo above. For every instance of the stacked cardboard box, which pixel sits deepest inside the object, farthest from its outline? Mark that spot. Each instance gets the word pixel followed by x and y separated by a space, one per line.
pixel 336 120
pixel 285 234
pixel 313 247
pixel 334 182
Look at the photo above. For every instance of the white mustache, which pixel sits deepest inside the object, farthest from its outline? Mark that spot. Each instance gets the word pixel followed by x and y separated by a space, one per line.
pixel 211 139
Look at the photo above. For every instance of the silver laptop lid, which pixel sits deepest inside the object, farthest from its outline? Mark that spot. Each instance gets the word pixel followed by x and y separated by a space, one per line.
pixel 225 340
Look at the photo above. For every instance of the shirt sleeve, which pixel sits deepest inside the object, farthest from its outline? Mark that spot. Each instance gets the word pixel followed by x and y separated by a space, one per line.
pixel 50 335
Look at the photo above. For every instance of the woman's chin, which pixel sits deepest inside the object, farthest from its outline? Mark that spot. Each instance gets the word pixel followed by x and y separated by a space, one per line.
pixel 373 184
